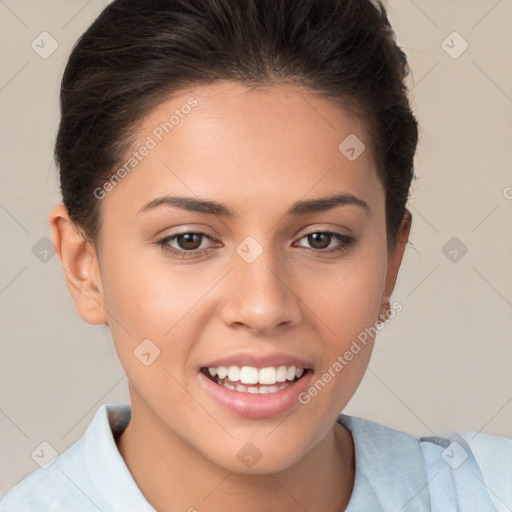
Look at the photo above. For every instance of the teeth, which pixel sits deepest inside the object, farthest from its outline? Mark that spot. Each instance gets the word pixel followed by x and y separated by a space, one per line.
pixel 233 373
pixel 249 375
pixel 281 374
pixel 269 376
pixel 262 390
pixel 222 372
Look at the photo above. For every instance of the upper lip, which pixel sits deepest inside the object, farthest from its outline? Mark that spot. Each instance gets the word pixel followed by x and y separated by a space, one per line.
pixel 258 360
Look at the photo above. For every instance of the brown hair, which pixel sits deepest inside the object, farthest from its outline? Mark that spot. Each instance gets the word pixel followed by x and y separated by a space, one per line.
pixel 137 52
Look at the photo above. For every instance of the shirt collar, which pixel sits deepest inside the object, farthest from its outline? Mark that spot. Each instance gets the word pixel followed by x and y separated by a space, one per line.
pixel 104 463
pixel 390 470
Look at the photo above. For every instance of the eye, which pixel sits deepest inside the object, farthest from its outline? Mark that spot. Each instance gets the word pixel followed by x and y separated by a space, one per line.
pixel 320 241
pixel 188 244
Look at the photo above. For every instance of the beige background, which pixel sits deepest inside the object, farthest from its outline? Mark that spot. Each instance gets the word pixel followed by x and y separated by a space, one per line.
pixel 443 364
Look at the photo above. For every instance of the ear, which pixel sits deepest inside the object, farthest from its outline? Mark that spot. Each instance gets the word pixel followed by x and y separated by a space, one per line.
pixel 396 253
pixel 80 264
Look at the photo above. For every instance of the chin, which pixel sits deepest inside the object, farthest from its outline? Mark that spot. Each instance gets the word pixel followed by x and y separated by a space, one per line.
pixel 257 458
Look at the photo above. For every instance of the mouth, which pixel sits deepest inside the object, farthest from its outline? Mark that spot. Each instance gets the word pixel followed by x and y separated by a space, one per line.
pixel 249 379
pixel 256 387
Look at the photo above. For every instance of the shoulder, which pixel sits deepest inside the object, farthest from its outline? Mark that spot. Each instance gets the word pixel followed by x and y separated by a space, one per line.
pixel 50 487
pixel 493 453
pixel 459 472
pixel 72 481
pixel 478 467
pixel 390 469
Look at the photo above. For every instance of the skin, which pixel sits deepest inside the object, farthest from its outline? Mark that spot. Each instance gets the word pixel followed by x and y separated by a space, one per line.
pixel 258 151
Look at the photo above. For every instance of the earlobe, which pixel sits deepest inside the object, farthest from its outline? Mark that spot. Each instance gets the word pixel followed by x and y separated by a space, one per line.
pixel 395 256
pixel 80 265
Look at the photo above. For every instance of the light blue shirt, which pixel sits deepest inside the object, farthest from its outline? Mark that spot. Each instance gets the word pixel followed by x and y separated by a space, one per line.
pixel 395 472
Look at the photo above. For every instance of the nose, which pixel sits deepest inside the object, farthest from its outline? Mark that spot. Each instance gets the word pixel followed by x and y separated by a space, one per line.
pixel 260 296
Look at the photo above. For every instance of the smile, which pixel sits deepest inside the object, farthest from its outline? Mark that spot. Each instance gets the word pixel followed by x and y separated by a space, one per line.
pixel 253 392
pixel 249 379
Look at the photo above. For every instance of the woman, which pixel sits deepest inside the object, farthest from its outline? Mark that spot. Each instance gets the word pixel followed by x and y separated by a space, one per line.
pixel 234 179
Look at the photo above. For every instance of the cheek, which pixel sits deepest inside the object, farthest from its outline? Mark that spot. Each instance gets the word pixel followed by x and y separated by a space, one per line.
pixel 148 297
pixel 147 293
pixel 149 313
pixel 347 303
pixel 348 299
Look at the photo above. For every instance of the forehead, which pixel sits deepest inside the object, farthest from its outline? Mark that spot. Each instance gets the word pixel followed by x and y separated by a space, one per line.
pixel 272 144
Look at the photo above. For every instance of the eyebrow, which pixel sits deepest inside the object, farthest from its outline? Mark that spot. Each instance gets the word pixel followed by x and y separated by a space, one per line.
pixel 220 209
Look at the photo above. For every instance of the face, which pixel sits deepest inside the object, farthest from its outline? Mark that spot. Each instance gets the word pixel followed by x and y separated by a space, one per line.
pixel 215 307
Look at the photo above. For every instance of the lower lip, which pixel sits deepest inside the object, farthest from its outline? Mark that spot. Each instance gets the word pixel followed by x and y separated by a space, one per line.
pixel 256 406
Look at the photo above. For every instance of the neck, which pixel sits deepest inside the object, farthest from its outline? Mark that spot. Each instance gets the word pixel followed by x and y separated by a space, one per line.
pixel 173 476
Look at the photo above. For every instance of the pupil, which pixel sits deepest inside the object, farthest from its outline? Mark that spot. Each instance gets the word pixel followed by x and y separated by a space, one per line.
pixel 189 241
pixel 315 237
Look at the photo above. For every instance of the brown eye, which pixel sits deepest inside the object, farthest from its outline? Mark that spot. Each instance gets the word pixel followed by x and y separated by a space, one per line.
pixel 186 245
pixel 189 241
pixel 320 241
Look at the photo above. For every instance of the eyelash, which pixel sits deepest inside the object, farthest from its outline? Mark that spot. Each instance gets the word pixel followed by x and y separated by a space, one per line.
pixel 346 242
